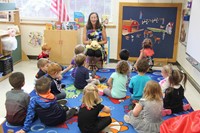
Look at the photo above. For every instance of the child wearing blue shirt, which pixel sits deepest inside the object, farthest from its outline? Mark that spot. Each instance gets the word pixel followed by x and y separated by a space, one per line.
pixel 139 81
pixel 82 73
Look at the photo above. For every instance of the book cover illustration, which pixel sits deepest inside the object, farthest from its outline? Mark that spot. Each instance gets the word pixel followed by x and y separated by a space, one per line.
pixel 104 19
pixel 79 18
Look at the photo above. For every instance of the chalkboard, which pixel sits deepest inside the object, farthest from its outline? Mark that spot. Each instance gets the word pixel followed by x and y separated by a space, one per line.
pixel 159 22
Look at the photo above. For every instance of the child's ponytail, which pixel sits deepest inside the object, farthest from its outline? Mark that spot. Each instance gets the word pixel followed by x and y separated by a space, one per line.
pixel 184 78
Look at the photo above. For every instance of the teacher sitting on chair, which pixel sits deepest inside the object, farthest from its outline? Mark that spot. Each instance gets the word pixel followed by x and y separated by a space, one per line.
pixel 94 31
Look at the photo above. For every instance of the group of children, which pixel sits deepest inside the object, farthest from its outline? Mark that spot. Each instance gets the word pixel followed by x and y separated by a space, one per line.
pixel 149 98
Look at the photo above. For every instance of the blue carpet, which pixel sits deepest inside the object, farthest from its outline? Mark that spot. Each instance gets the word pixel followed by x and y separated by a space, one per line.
pixel 74 99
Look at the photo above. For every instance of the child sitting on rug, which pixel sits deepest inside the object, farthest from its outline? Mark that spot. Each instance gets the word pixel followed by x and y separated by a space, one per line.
pixel 88 119
pixel 146 53
pixel 78 49
pixel 44 104
pixel 117 81
pixel 175 93
pixel 42 64
pixel 146 116
pixel 16 100
pixel 124 54
pixel 138 82
pixel 165 72
pixel 54 73
pixel 82 73
pixel 45 52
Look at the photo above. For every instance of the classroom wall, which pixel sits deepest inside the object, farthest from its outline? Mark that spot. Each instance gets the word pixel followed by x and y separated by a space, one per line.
pixel 181 59
pixel 113 34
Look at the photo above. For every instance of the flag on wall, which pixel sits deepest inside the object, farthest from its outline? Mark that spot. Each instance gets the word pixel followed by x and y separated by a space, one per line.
pixel 60 9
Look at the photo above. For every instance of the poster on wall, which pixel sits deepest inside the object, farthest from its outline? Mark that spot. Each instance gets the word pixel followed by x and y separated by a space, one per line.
pixel 35 39
pixel 79 18
pixel 185 23
pixel 158 22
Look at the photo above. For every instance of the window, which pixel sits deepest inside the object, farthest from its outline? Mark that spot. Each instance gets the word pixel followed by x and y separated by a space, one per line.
pixel 35 9
pixel 40 9
pixel 102 7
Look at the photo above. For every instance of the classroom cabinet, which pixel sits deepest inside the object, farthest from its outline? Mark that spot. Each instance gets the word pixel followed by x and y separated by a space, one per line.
pixel 62 43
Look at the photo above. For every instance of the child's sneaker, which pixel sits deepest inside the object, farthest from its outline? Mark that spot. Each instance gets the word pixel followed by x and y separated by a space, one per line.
pixel 102 79
pixel 65 107
pixel 63 86
pixel 126 119
pixel 134 69
pixel 62 101
pixel 77 110
pixel 166 112
pixel 150 70
pixel 186 107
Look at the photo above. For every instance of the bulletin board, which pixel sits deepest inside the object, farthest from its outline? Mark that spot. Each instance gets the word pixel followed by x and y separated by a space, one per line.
pixel 158 21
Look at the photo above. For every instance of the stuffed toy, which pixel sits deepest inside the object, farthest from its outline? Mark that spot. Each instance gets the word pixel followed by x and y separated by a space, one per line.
pixel 94 46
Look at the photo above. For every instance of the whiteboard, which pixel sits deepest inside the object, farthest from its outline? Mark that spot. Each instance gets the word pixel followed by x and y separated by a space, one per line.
pixel 193 43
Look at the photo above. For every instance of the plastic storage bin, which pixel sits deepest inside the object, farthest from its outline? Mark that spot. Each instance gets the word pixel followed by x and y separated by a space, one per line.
pixel 6 65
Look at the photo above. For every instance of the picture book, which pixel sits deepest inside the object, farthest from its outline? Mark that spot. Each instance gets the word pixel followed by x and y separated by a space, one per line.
pixel 79 18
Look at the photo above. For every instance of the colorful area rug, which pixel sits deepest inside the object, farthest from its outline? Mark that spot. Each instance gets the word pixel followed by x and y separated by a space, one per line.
pixel 118 108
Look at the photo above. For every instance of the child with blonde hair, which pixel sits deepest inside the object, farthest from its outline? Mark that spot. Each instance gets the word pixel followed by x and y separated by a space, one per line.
pixel 175 93
pixel 146 116
pixel 45 52
pixel 54 73
pixel 42 64
pixel 80 48
pixel 146 53
pixel 165 72
pixel 88 119
pixel 117 81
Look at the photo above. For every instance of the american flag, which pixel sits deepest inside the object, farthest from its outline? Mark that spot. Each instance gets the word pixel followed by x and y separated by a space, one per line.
pixel 60 9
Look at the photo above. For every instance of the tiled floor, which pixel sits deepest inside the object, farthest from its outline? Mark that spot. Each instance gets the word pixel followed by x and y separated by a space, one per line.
pixel 29 68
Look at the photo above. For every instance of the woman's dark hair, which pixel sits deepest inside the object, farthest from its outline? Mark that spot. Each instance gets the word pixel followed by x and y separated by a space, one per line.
pixel 89 24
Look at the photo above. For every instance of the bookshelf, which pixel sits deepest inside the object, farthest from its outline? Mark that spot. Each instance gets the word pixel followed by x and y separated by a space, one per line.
pixel 14 21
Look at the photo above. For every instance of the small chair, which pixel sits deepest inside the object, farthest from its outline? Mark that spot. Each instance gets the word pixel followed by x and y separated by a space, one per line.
pixel 99 63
